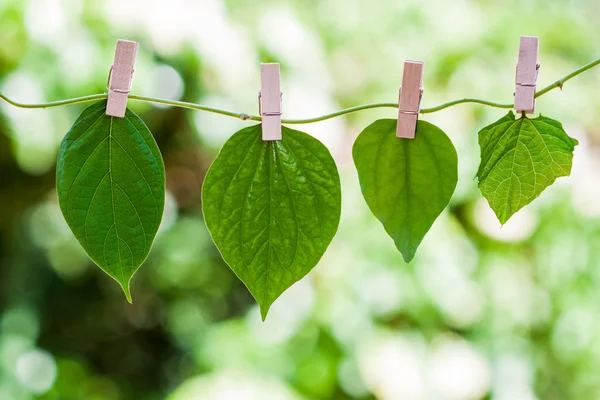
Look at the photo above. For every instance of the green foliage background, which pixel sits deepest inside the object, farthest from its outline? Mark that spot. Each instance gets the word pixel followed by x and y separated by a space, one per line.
pixel 481 312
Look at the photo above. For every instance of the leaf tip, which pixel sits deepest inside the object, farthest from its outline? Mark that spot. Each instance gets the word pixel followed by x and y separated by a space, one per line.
pixel 127 291
pixel 503 217
pixel 408 256
pixel 263 311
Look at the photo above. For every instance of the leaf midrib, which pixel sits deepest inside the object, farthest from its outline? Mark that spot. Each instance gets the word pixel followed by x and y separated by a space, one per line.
pixel 112 195
pixel 407 187
pixel 377 173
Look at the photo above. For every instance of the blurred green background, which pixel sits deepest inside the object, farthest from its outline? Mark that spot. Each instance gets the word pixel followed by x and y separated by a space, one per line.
pixel 481 313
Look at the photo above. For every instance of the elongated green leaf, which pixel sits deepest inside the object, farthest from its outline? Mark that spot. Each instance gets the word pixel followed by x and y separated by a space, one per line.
pixel 407 183
pixel 272 208
pixel 519 159
pixel 110 180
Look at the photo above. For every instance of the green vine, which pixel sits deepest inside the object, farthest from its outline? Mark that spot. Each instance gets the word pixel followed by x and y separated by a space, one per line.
pixel 243 116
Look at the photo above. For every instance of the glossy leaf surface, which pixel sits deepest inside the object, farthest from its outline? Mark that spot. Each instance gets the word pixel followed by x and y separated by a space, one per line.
pixel 110 181
pixel 272 208
pixel 407 183
pixel 519 159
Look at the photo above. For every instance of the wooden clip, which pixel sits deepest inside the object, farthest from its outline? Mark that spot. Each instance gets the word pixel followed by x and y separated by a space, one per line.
pixel 120 78
pixel 270 101
pixel 527 74
pixel 411 93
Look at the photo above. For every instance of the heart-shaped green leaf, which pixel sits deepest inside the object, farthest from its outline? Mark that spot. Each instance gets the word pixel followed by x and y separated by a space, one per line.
pixel 519 159
pixel 110 180
pixel 272 208
pixel 407 183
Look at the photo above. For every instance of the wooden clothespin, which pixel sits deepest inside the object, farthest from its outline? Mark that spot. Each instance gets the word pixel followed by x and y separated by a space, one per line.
pixel 411 92
pixel 528 68
pixel 120 78
pixel 270 101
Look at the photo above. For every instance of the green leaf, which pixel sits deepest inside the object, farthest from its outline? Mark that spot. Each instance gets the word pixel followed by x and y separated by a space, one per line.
pixel 272 208
pixel 519 159
pixel 110 180
pixel 407 183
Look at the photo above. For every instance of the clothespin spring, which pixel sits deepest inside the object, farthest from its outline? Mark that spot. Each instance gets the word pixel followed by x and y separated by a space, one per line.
pixel 270 113
pixel 409 112
pixel 118 90
pixel 537 74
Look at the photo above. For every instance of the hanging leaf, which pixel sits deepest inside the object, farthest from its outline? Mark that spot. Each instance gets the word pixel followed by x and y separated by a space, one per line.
pixel 110 180
pixel 407 183
pixel 519 159
pixel 272 208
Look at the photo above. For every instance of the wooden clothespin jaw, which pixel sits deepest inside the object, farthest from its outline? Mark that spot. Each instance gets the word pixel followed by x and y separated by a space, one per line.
pixel 409 103
pixel 528 69
pixel 270 103
pixel 120 78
